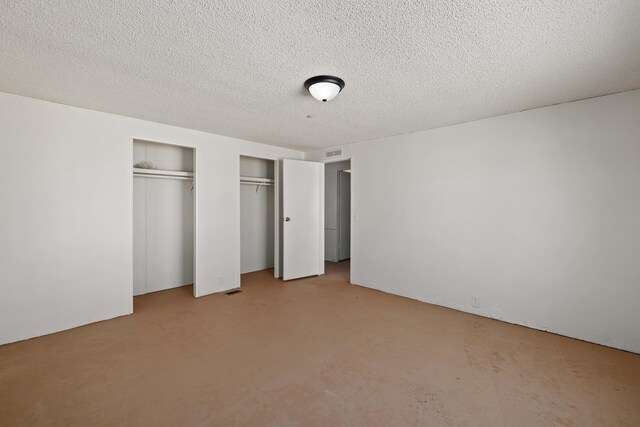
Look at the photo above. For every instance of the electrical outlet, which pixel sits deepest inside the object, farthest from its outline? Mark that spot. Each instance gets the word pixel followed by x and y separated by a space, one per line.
pixel 475 302
pixel 219 280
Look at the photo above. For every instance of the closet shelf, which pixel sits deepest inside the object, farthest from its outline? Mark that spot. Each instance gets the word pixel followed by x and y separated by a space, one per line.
pixel 258 182
pixel 158 173
pixel 252 180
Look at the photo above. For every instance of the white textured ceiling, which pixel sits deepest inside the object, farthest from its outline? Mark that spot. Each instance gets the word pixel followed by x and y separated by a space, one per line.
pixel 237 67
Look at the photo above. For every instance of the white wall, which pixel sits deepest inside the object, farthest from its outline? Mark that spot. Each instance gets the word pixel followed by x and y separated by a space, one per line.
pixel 536 214
pixel 66 212
pixel 331 208
pixel 256 217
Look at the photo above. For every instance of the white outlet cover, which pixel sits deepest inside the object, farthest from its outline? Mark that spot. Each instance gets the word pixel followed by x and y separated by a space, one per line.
pixel 496 313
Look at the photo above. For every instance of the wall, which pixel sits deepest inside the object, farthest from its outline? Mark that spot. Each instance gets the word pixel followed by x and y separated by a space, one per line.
pixel 256 217
pixel 536 215
pixel 66 212
pixel 163 220
pixel 344 215
pixel 331 208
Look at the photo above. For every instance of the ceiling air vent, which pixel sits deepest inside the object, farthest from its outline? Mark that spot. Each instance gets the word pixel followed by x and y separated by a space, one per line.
pixel 334 153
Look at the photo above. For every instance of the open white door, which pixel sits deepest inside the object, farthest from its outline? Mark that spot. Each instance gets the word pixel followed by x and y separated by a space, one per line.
pixel 303 219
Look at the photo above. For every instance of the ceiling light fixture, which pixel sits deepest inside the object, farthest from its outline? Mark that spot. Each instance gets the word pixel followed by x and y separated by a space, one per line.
pixel 324 88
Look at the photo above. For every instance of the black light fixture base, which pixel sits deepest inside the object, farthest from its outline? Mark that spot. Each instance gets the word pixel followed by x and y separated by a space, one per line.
pixel 324 79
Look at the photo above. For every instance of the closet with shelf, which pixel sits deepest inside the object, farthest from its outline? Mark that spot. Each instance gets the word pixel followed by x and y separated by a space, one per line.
pixel 163 216
pixel 258 197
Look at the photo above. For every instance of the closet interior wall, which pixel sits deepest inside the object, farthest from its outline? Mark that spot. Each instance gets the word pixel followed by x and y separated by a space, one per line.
pixel 163 220
pixel 256 216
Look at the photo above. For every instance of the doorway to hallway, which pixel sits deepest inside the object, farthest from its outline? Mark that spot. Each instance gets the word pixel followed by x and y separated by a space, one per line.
pixel 338 212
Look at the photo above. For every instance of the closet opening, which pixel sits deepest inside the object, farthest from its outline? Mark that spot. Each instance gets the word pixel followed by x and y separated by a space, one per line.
pixel 163 217
pixel 337 218
pixel 259 207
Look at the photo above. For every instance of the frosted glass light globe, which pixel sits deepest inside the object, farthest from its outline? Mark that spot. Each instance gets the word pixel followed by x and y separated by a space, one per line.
pixel 324 91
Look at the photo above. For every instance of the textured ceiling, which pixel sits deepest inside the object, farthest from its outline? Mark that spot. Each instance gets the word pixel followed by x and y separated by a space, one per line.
pixel 237 67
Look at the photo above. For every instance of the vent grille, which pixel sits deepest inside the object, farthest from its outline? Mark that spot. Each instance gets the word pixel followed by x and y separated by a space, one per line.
pixel 334 153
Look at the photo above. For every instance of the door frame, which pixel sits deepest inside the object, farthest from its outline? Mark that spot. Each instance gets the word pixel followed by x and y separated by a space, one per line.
pixel 342 159
pixel 339 218
pixel 131 140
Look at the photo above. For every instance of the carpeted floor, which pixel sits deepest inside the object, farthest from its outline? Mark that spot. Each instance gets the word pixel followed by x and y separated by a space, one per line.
pixel 312 352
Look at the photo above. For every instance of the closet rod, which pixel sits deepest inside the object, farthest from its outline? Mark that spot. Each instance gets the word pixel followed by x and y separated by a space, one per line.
pixel 144 175
pixel 255 183
pixel 255 179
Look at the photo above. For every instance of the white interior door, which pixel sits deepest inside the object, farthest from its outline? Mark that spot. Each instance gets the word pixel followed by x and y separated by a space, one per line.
pixel 303 219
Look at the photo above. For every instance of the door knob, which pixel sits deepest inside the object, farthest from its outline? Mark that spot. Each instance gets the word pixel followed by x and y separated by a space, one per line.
pixel 287 219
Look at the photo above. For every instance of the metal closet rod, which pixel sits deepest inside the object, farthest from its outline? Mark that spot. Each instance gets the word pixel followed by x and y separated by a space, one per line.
pixel 143 175
pixel 160 173
pixel 255 179
pixel 258 182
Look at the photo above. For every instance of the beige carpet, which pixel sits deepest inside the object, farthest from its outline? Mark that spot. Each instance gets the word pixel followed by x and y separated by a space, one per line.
pixel 312 352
